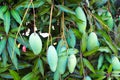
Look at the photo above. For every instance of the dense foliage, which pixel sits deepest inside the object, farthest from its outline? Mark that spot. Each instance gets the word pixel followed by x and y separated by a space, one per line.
pixel 59 39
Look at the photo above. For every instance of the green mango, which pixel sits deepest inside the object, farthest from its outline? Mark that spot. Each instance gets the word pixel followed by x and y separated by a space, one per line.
pixel 35 43
pixel 88 78
pixel 72 61
pixel 115 63
pixel 71 39
pixel 81 15
pixel 92 41
pixel 62 63
pixel 52 58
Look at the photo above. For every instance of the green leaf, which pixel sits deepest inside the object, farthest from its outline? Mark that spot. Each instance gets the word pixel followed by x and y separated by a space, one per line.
pixel 104 49
pixel 12 56
pixel 28 76
pixel 108 41
pixel 7 21
pixel 2 10
pixel 91 52
pixel 75 18
pixel 66 9
pixel 6 76
pixel 110 21
pixel 3 69
pixel 2 45
pixel 100 61
pixel 11 41
pixel 88 65
pixel 71 39
pixel 77 33
pixel 39 66
pixel 24 4
pixel 109 69
pixel 72 51
pixel 84 42
pixel 16 16
pixel 23 65
pixel 99 19
pixel 108 58
pixel 4 57
pixel 14 74
pixel 16 29
pixel 44 11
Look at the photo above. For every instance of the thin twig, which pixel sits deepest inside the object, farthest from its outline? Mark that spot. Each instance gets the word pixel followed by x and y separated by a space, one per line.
pixel 63 27
pixel 50 26
pixel 20 28
pixel 34 17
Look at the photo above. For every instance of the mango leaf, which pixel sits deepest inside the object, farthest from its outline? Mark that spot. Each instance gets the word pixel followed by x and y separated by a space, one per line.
pixel 4 57
pixel 14 74
pixel 2 10
pixel 39 66
pixel 91 52
pixel 108 41
pixel 24 4
pixel 7 21
pixel 104 49
pixel 88 65
pixel 11 41
pixel 71 39
pixel 12 56
pixel 2 45
pixel 23 65
pixel 99 19
pixel 110 21
pixel 100 61
pixel 108 58
pixel 109 69
pixel 25 42
pixel 3 69
pixel 6 76
pixel 66 9
pixel 84 42
pixel 44 11
pixel 28 76
pixel 16 29
pixel 75 18
pixel 16 16
pixel 72 51
pixel 77 33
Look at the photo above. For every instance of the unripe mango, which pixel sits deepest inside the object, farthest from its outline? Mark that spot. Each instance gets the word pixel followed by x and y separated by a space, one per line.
pixel 62 63
pixel 115 63
pixel 81 15
pixel 92 41
pixel 52 58
pixel 88 78
pixel 35 43
pixel 72 63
